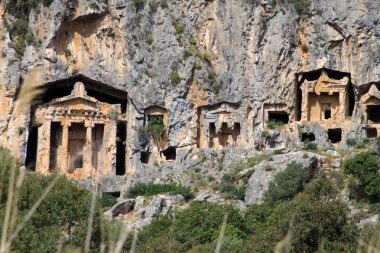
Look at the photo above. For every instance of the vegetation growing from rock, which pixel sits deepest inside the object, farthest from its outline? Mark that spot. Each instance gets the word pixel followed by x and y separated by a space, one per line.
pixel 288 183
pixel 175 78
pixel 364 168
pixel 273 124
pixel 142 189
pixel 18 27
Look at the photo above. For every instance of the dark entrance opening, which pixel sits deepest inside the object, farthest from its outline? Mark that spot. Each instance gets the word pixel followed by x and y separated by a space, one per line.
pixel 371 132
pixel 31 148
pixel 351 100
pixel 55 144
pixel 307 137
pixel 298 102
pixel 121 138
pixel 278 116
pixel 144 157
pixel 327 114
pixel 170 153
pixel 335 135
pixel 113 194
pixel 373 113
pixel 212 134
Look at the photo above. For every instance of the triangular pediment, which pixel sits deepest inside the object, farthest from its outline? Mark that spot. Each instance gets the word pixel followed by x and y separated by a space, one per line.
pixel 76 103
pixel 78 98
pixel 372 96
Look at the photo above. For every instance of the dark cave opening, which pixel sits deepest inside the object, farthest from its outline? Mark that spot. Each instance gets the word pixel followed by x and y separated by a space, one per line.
pixel 31 148
pixel 307 137
pixel 121 138
pixel 278 116
pixel 371 132
pixel 170 153
pixel 335 135
pixel 144 157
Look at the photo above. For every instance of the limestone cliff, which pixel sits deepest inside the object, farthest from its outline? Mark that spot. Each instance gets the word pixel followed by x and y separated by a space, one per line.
pixel 244 53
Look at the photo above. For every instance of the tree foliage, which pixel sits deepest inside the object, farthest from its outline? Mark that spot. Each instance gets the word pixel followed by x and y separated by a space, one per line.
pixel 365 168
pixel 288 183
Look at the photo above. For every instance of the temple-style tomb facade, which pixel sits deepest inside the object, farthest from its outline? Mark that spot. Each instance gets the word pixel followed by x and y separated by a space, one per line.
pixel 77 135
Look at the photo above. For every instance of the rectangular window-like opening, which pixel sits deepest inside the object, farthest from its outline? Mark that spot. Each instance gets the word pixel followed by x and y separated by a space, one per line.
pixel 77 140
pixel 371 132
pixel 212 130
pixel 144 157
pixel 327 114
pixel 373 113
pixel 335 135
pixel 55 145
pixel 278 116
pixel 121 138
pixel 326 111
pixel 31 149
pixel 298 109
pixel 170 154
pixel 97 146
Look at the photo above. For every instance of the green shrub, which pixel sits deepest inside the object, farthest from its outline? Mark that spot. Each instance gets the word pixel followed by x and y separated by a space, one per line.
pixel 138 2
pixel 273 124
pixel 142 189
pixel 175 77
pixel 253 161
pixel 351 142
pixel 302 7
pixel 193 41
pixel 164 4
pixel 257 217
pixel 365 168
pixel 230 187
pixel 316 220
pixel 206 56
pixel 179 28
pixel 288 183
pixel 310 146
pixel 201 224
pixel 107 201
pixel 198 65
pixel 278 151
pixel 156 126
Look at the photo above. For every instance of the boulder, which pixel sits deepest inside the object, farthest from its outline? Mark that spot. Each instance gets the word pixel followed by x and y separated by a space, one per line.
pixel 265 171
pixel 120 208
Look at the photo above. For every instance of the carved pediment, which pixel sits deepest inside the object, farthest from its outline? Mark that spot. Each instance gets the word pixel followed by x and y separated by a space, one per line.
pixel 326 84
pixel 372 96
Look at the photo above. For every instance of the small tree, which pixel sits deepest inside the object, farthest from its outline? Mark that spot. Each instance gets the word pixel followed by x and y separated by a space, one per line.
pixel 288 183
pixel 365 168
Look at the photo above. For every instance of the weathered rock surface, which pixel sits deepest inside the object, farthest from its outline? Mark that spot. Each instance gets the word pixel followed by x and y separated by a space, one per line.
pixel 252 55
pixel 265 171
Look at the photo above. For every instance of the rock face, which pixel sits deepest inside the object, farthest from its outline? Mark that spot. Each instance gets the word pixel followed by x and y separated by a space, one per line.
pixel 217 71
pixel 265 171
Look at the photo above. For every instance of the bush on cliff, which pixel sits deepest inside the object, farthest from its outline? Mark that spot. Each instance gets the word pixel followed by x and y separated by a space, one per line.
pixel 142 189
pixel 288 183
pixel 365 168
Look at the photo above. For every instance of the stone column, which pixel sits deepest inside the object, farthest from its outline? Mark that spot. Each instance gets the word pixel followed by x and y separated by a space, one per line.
pixel 43 146
pixel 65 146
pixel 342 105
pixel 109 144
pixel 305 105
pixel 87 154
